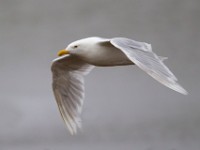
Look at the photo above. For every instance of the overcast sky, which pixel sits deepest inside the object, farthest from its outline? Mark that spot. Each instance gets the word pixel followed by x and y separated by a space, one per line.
pixel 124 108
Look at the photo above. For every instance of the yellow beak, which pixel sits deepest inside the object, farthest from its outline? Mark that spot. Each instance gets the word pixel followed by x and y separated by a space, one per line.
pixel 63 52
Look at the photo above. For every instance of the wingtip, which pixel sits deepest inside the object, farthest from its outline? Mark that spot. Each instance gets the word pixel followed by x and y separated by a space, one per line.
pixel 178 88
pixel 184 92
pixel 72 130
pixel 73 125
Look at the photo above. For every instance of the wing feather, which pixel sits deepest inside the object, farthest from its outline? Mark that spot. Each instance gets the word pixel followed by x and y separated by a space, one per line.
pixel 142 55
pixel 68 87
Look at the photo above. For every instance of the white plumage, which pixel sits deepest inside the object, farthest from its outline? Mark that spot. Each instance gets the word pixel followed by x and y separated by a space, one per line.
pixel 81 56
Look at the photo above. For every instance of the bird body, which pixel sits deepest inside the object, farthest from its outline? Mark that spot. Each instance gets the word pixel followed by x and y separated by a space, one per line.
pixel 80 57
pixel 101 53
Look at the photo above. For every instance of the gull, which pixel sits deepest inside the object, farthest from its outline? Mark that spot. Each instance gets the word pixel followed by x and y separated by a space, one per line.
pixel 81 56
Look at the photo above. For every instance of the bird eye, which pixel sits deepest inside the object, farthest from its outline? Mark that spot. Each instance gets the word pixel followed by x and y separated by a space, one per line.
pixel 75 46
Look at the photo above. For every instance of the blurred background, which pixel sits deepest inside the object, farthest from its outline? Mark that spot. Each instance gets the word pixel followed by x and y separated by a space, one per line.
pixel 124 108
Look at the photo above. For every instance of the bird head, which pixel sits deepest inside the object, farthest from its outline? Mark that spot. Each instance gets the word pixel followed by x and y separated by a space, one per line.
pixel 79 47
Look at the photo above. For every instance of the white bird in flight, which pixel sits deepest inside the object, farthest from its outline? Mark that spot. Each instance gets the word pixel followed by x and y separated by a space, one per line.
pixel 81 56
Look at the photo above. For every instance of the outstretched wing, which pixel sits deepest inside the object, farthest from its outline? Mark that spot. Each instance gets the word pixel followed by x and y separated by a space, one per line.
pixel 68 87
pixel 142 55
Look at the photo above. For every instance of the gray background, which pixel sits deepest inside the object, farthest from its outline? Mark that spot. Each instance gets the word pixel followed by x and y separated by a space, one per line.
pixel 124 108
